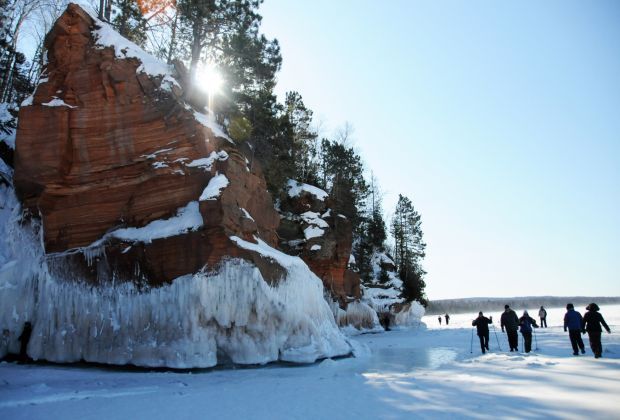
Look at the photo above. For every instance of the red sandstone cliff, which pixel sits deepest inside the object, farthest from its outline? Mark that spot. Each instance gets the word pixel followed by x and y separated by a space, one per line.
pixel 110 156
pixel 104 145
pixel 323 239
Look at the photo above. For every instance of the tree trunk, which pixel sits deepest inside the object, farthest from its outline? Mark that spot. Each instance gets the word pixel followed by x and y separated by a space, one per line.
pixel 197 33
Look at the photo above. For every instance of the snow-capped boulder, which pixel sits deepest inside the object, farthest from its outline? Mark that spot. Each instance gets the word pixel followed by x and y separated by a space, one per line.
pixel 156 241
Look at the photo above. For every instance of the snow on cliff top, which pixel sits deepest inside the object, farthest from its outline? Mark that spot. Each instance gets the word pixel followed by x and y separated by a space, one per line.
pixel 123 48
pixel 106 36
pixel 295 188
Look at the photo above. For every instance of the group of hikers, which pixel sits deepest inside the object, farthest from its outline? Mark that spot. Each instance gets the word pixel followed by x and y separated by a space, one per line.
pixel 574 323
pixel 445 316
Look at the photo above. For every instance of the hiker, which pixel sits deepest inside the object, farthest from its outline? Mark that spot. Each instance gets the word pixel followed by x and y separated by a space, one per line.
pixel 482 329
pixel 439 319
pixel 542 314
pixel 447 319
pixel 510 321
pixel 572 322
pixel 386 321
pixel 591 323
pixel 24 338
pixel 526 322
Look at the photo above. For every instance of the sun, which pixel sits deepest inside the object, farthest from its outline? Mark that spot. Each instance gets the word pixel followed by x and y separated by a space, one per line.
pixel 209 79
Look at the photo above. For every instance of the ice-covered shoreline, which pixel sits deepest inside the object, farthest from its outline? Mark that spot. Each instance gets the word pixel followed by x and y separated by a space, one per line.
pixel 423 373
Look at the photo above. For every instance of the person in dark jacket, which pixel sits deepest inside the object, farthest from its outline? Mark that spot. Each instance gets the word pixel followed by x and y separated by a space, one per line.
pixel 510 323
pixel 482 328
pixel 447 319
pixel 24 339
pixel 591 323
pixel 526 322
pixel 542 314
pixel 439 319
pixel 572 322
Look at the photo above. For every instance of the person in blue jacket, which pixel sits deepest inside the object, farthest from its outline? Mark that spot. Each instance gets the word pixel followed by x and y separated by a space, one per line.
pixel 526 322
pixel 572 322
pixel 591 323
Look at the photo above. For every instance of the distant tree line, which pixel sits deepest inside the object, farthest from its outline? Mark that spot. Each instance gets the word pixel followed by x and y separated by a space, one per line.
pixel 225 34
pixel 497 304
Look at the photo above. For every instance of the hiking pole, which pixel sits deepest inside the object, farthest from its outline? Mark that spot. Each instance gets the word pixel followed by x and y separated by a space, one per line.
pixel 496 339
pixel 471 342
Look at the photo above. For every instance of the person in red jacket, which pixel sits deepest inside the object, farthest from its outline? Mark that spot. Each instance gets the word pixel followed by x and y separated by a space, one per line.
pixel 591 323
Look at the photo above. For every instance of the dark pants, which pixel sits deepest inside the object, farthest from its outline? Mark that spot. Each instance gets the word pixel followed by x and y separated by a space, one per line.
pixel 513 339
pixel 543 322
pixel 576 341
pixel 527 340
pixel 595 343
pixel 484 341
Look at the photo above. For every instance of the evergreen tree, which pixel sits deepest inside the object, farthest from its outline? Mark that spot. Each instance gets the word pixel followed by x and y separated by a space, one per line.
pixel 15 81
pixel 371 236
pixel 206 23
pixel 129 21
pixel 342 176
pixel 304 139
pixel 406 229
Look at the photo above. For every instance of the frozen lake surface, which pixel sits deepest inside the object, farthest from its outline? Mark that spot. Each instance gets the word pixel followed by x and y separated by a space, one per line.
pixel 424 372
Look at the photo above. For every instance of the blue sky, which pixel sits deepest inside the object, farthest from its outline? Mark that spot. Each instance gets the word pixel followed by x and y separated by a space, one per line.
pixel 500 120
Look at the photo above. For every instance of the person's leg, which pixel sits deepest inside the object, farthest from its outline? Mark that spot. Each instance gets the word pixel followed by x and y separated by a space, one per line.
pixel 544 321
pixel 579 340
pixel 516 338
pixel 513 339
pixel 481 338
pixel 527 338
pixel 595 343
pixel 575 336
pixel 486 341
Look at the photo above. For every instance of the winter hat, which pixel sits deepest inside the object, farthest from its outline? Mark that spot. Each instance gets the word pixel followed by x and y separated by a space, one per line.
pixel 480 313
pixel 506 306
pixel 592 307
pixel 525 313
pixel 570 306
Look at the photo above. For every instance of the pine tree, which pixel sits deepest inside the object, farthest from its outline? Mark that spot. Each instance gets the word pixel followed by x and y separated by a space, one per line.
pixel 342 175
pixel 206 23
pixel 406 229
pixel 304 139
pixel 129 21
pixel 15 81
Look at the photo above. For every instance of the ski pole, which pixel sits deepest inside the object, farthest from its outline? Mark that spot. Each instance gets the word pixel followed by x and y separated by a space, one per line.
pixel 471 342
pixel 496 339
pixel 535 339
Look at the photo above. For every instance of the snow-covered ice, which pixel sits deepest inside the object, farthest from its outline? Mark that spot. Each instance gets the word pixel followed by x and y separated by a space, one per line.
pixel 404 374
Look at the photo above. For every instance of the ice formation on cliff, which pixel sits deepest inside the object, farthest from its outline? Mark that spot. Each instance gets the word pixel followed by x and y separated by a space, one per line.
pixel 197 321
pixel 223 313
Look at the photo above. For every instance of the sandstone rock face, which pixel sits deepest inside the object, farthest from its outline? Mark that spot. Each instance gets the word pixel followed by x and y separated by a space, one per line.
pixel 146 237
pixel 105 147
pixel 310 229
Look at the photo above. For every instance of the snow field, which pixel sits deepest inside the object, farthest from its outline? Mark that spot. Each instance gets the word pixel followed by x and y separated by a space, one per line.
pixel 403 374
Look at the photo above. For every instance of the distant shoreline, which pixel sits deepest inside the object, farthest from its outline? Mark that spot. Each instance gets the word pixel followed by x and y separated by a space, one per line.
pixel 455 306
